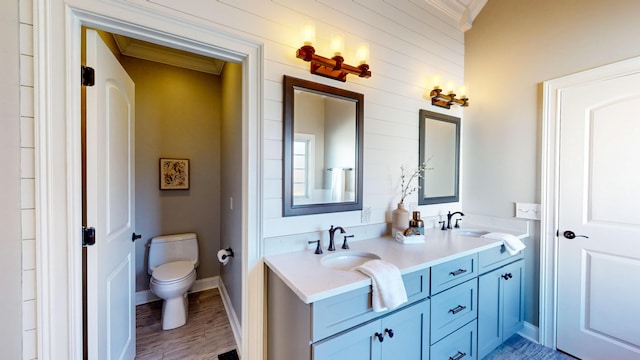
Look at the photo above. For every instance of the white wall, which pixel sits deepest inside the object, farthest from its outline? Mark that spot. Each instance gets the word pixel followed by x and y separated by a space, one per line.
pixel 512 48
pixel 10 183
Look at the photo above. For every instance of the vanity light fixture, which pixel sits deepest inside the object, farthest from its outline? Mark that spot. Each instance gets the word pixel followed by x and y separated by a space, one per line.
pixel 334 67
pixel 438 98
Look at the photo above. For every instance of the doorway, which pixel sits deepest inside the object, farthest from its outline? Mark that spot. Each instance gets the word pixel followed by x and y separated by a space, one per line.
pixel 60 259
pixel 589 242
pixel 186 107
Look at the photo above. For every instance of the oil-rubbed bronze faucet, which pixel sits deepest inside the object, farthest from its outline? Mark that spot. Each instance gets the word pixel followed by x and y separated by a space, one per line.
pixel 332 231
pixel 450 215
pixel 344 244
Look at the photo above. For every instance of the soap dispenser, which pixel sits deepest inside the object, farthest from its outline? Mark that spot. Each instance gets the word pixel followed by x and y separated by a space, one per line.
pixel 417 223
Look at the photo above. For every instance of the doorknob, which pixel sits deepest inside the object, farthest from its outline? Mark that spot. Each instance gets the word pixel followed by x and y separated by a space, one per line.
pixel 135 236
pixel 571 235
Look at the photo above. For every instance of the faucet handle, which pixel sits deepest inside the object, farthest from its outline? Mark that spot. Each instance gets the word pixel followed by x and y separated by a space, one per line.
pixel 318 248
pixel 443 225
pixel 344 244
pixel 457 225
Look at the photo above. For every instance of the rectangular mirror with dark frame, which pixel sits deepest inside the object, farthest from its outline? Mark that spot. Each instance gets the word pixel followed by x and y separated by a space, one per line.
pixel 323 147
pixel 440 151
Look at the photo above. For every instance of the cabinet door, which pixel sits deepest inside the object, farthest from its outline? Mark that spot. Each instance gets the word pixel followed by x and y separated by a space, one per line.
pixel 489 313
pixel 410 329
pixel 500 306
pixel 513 299
pixel 357 344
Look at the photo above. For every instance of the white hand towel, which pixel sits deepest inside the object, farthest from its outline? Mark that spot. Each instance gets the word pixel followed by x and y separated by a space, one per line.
pixel 388 290
pixel 511 242
pixel 337 184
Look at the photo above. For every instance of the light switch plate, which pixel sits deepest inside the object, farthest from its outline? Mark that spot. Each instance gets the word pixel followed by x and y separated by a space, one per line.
pixel 365 217
pixel 528 211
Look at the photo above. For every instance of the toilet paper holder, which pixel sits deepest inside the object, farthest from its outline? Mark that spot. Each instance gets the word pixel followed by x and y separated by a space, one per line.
pixel 225 255
pixel 228 254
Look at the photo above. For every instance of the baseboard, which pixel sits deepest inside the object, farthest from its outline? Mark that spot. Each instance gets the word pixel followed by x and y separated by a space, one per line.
pixel 530 332
pixel 236 327
pixel 146 296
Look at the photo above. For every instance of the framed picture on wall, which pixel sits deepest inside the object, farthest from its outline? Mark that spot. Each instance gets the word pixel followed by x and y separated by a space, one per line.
pixel 174 174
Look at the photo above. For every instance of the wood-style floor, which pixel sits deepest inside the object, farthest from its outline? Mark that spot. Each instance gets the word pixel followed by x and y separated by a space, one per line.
pixel 206 334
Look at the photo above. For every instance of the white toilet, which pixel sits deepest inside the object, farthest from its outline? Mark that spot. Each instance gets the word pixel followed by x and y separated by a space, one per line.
pixel 172 265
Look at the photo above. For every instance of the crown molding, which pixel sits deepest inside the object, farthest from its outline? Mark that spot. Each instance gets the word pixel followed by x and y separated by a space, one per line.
pixel 461 11
pixel 157 53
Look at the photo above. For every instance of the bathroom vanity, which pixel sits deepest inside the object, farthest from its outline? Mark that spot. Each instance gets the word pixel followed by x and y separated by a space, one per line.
pixel 465 296
pixel 462 291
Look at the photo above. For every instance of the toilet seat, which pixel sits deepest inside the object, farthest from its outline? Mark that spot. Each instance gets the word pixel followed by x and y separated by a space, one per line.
pixel 172 272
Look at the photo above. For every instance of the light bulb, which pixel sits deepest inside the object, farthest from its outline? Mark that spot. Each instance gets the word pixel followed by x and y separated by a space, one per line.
pixel 463 91
pixel 337 45
pixel 436 82
pixel 363 53
pixel 450 87
pixel 309 33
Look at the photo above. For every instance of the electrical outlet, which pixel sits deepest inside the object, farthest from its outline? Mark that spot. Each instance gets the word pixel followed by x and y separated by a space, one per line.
pixel 366 215
pixel 528 211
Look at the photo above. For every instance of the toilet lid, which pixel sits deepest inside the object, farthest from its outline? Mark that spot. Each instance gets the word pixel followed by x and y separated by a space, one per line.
pixel 173 270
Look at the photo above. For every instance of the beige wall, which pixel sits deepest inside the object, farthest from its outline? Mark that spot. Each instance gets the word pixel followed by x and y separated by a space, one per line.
pixel 231 186
pixel 10 240
pixel 177 116
pixel 512 48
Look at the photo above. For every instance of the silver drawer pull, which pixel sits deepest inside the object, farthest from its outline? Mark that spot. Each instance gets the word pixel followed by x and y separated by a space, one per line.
pixel 457 309
pixel 458 272
pixel 458 356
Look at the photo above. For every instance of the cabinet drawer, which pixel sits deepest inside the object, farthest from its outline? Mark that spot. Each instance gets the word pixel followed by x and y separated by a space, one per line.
pixel 453 308
pixel 453 272
pixel 341 312
pixel 461 345
pixel 495 257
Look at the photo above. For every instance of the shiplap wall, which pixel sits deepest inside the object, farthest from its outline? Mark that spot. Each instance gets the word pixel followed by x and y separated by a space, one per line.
pixel 410 42
pixel 27 175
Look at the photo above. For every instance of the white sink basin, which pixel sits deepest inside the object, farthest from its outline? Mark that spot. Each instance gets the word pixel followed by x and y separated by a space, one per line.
pixel 347 260
pixel 470 232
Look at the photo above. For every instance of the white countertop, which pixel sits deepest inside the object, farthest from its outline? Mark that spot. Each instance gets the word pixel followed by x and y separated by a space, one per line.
pixel 303 272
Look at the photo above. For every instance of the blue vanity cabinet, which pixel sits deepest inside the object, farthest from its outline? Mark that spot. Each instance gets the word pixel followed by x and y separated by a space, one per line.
pixel 343 326
pixel 402 334
pixel 500 305
pixel 459 309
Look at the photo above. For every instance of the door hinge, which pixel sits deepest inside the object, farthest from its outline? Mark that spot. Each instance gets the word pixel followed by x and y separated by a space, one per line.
pixel 88 236
pixel 88 76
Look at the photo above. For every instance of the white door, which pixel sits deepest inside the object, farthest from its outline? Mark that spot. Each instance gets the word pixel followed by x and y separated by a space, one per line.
pixel 111 319
pixel 598 308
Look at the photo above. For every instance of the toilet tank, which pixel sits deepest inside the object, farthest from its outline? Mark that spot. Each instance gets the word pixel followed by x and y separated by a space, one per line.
pixel 168 248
